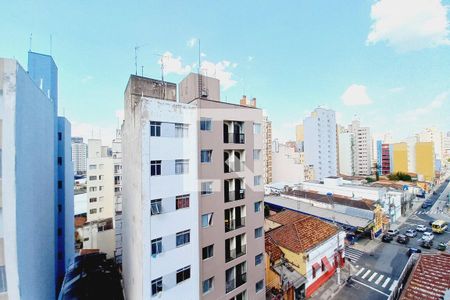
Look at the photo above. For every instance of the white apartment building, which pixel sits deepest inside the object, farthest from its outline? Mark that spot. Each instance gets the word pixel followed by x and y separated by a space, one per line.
pixel 320 142
pixel 286 164
pixel 346 154
pixel 117 160
pixel 411 152
pixel 267 150
pixel 192 196
pixel 79 155
pixel 362 141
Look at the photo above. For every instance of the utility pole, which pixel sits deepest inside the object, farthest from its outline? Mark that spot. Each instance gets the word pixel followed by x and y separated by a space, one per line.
pixel 338 267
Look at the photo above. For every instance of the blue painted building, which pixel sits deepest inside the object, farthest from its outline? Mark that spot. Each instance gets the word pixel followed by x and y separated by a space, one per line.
pixel 379 155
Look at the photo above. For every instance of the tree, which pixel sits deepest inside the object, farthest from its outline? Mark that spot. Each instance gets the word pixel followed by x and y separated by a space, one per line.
pixel 399 176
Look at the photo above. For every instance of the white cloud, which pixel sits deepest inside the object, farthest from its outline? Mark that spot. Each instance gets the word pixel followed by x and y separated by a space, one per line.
pixel 421 112
pixel 409 24
pixel 89 131
pixel 174 64
pixel 250 58
pixel 356 95
pixel 191 42
pixel 220 71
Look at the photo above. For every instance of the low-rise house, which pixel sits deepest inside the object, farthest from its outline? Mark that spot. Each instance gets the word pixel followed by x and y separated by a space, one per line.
pixel 302 253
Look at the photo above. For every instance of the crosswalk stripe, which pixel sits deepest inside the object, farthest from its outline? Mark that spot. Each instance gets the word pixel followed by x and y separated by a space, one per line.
pixel 372 277
pixel 379 279
pixel 386 282
pixel 393 285
pixel 360 271
pixel 365 275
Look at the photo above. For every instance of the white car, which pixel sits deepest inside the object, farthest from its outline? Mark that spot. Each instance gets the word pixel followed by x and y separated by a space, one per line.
pixel 427 236
pixel 421 228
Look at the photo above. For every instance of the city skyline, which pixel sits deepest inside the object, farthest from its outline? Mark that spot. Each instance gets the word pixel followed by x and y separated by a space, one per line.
pixel 349 57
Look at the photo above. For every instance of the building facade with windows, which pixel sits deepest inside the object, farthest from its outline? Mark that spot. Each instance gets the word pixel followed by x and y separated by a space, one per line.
pixel 362 156
pixel 117 161
pixel 320 142
pixel 346 154
pixel 79 155
pixel 192 197
pixel 36 191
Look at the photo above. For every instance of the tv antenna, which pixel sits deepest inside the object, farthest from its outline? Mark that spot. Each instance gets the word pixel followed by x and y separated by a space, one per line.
pixel 136 48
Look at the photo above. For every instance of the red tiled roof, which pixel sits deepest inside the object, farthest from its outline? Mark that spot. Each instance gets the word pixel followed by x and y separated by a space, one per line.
pixel 429 279
pixel 272 249
pixel 299 232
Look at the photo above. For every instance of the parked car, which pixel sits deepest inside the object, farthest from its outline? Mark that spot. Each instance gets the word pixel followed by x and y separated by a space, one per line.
pixel 421 228
pixel 427 204
pixel 413 250
pixel 427 244
pixel 402 239
pixel 442 247
pixel 393 232
pixel 387 238
pixel 427 236
pixel 411 233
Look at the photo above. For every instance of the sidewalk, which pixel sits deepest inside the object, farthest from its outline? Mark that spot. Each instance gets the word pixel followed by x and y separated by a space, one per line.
pixel 330 288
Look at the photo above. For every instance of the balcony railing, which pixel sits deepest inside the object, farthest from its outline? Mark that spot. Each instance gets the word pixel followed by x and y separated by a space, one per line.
pixel 234 138
pixel 235 283
pixel 232 254
pixel 237 166
pixel 234 195
pixel 234 224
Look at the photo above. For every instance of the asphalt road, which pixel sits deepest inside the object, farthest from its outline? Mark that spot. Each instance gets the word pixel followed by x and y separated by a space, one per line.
pixel 375 274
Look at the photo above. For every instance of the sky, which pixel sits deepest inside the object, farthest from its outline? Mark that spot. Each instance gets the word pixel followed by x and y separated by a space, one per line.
pixel 386 62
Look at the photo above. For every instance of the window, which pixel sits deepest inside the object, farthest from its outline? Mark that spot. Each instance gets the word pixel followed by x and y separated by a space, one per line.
pixel 258 206
pixel 205 156
pixel 100 177
pixel 59 207
pixel 100 188
pixel 181 130
pixel 256 154
pixel 156 246
pixel 155 167
pixel 59 232
pixel 205 124
pixel 101 198
pixel 183 274
pixel 92 167
pixel 155 207
pixel 182 201
pixel 257 180
pixel 157 286
pixel 155 128
pixel 59 136
pixel 256 128
pixel 259 285
pixel 206 188
pixel 59 161
pixel 92 200
pixel 183 238
pixel 92 177
pixel 59 184
pixel 92 189
pixel 207 251
pixel 258 259
pixel 101 209
pixel 207 220
pixel 93 211
pixel 181 166
pixel 208 285
pixel 258 232
pixel 60 255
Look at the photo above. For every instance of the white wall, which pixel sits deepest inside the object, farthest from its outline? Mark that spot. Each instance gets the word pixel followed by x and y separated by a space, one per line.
pixel 286 166
pixel 346 190
pixel 346 154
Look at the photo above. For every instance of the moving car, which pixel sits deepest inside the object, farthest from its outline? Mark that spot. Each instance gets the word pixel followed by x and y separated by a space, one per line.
pixel 402 239
pixel 411 233
pixel 413 250
pixel 427 244
pixel 427 204
pixel 387 238
pixel 421 228
pixel 439 226
pixel 442 247
pixel 427 236
pixel 393 232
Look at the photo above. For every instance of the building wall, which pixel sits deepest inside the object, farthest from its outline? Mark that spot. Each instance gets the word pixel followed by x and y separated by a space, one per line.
pixel 299 133
pixel 286 165
pixel 425 160
pixel 362 148
pixel 267 150
pixel 320 142
pixel 188 89
pixel 346 153
pixel 79 156
pixel 400 157
pixel 432 134
pixel 28 185
pixel 411 152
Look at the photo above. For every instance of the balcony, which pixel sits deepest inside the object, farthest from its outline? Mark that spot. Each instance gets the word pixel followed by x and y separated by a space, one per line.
pixel 235 283
pixel 233 138
pixel 231 225
pixel 235 253
pixel 236 166
pixel 235 195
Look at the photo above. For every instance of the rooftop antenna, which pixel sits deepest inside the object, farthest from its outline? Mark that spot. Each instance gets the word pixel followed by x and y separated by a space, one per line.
pixel 136 48
pixel 31 40
pixel 142 71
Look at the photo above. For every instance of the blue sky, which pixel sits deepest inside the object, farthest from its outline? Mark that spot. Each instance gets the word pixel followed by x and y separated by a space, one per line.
pixel 387 61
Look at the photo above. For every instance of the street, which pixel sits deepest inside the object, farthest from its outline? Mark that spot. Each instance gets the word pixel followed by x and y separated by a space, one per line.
pixel 375 273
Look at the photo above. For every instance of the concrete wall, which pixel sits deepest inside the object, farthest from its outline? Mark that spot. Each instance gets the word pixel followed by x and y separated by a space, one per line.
pixel 346 166
pixel 400 157
pixel 286 165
